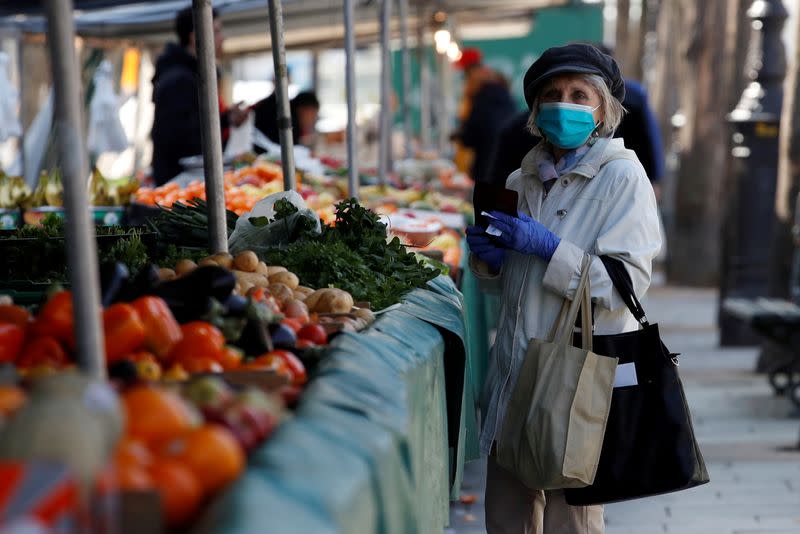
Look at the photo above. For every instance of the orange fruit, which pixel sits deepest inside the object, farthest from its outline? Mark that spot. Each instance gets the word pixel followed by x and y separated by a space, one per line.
pixel 154 414
pixel 133 477
pixel 11 399
pixel 133 452
pixel 211 452
pixel 180 490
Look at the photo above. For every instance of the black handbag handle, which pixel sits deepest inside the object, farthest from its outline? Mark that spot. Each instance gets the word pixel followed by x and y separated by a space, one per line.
pixel 622 282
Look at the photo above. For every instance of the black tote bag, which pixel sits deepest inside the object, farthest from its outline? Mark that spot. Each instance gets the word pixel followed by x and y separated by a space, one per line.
pixel 649 446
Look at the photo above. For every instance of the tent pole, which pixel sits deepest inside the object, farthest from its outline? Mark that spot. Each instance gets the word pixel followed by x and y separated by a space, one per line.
pixel 79 230
pixel 350 81
pixel 282 94
pixel 424 83
pixel 210 126
pixel 407 133
pixel 385 130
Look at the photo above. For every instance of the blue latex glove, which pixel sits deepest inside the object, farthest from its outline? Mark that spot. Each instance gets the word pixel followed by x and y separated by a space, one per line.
pixel 482 246
pixel 525 235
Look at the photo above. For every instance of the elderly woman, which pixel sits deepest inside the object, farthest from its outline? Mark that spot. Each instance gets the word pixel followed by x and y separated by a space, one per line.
pixel 579 192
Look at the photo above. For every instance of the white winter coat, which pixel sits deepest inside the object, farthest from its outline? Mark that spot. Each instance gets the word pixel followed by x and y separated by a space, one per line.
pixel 604 206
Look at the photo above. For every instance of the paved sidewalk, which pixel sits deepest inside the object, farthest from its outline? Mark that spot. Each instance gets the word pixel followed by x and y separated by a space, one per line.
pixel 746 434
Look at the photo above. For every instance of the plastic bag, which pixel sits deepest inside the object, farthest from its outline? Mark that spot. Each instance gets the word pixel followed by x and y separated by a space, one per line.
pixel 240 140
pixel 9 99
pixel 275 235
pixel 105 129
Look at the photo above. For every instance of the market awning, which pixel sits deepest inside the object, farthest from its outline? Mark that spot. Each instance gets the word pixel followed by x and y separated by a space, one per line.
pixel 306 22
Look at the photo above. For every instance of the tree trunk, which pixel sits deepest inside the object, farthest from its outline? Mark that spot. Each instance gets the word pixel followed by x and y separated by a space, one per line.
pixel 707 75
pixel 623 44
pixel 782 253
pixel 788 184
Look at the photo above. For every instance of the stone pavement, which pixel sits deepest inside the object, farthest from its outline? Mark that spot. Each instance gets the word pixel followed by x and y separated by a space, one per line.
pixel 747 436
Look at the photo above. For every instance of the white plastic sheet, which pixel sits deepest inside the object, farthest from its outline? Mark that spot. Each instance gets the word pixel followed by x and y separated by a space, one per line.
pixel 105 129
pixel 9 102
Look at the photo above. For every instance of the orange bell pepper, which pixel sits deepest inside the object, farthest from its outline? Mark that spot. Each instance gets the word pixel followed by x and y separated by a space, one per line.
pixel 55 319
pixel 12 338
pixel 200 340
pixel 124 331
pixel 12 314
pixel 43 351
pixel 162 331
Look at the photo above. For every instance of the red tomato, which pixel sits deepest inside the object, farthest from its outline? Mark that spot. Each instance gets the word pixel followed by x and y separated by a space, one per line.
pixel 294 364
pixel 314 333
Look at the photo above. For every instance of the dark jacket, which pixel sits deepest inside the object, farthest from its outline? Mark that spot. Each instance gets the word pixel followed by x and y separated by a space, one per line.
pixel 176 125
pixel 265 119
pixel 492 107
pixel 639 130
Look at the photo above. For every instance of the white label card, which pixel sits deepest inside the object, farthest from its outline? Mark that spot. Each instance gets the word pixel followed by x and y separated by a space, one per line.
pixel 625 375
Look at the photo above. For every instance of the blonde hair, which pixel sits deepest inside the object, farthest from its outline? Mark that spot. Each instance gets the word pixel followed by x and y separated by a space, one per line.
pixel 612 108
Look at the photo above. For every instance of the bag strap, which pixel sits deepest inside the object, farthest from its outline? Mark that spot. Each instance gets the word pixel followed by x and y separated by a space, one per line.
pixel 563 328
pixel 624 286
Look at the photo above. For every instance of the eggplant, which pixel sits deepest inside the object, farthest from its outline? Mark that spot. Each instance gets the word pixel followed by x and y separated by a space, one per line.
pixel 203 282
pixel 282 335
pixel 255 339
pixel 141 285
pixel 236 305
pixel 114 277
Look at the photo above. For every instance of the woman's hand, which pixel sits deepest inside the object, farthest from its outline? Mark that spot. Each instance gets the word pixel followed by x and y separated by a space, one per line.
pixel 525 235
pixel 481 245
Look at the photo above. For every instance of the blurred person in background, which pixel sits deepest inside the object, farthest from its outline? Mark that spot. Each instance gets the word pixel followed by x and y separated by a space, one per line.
pixel 177 128
pixel 486 107
pixel 580 192
pixel 304 110
pixel 639 130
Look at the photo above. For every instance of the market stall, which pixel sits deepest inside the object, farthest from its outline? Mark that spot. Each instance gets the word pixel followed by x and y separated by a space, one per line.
pixel 364 355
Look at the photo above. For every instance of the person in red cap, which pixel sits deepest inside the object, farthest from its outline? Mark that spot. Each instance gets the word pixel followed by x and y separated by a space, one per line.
pixel 486 107
pixel 582 196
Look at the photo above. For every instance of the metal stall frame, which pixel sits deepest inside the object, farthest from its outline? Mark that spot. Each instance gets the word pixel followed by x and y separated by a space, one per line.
pixel 350 84
pixel 79 230
pixel 282 94
pixel 210 125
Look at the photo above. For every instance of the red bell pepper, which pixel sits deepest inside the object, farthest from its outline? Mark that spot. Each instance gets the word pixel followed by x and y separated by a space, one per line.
pixel 201 340
pixel 12 338
pixel 9 313
pixel 162 331
pixel 43 350
pixel 124 331
pixel 56 319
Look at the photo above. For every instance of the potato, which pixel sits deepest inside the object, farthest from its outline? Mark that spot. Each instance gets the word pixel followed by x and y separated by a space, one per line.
pixel 275 269
pixel 253 279
pixel 305 291
pixel 223 259
pixel 299 296
pixel 364 314
pixel 262 269
pixel 208 260
pixel 281 292
pixel 329 300
pixel 246 261
pixel 295 308
pixel 185 267
pixel 245 287
pixel 166 274
pixel 290 279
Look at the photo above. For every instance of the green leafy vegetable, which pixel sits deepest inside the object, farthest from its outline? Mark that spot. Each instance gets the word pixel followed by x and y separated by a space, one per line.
pixel 354 255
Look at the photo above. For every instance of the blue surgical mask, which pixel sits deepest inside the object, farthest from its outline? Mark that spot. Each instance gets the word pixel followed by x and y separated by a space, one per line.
pixel 566 125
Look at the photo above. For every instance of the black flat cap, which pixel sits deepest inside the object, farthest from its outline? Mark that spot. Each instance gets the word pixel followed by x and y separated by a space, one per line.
pixel 573 58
